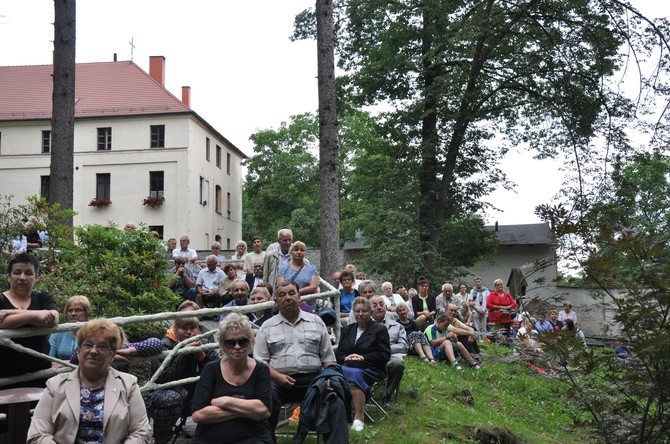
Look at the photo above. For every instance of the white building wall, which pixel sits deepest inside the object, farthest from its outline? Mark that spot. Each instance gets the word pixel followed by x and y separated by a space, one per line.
pixel 129 162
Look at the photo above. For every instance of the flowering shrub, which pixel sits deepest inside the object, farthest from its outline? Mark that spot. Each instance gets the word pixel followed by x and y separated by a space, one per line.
pixel 153 201
pixel 99 203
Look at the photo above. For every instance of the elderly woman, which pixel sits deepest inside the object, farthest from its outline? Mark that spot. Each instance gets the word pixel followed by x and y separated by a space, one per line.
pixel 63 344
pixel 232 399
pixel 364 351
pixel 21 307
pixel 94 403
pixel 166 406
pixel 391 300
pixel 500 305
pixel 418 342
pixel 297 270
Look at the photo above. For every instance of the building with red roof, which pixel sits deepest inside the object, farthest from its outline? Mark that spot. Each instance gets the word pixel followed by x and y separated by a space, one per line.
pixel 133 140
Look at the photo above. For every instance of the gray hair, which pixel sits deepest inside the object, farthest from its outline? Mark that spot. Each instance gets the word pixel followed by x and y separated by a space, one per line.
pixel 235 322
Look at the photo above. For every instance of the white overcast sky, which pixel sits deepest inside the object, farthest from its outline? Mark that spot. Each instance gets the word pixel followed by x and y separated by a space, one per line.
pixel 236 56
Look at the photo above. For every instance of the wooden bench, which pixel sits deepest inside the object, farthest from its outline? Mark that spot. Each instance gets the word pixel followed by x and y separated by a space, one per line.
pixel 18 415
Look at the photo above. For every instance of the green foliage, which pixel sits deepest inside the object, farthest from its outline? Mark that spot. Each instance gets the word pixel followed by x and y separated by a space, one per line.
pixel 620 241
pixel 122 273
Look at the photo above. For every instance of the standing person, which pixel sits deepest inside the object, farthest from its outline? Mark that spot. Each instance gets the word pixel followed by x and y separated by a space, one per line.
pixel 239 257
pixel 188 253
pixel 277 257
pixel 500 305
pixel 477 303
pixel 295 345
pixel 364 351
pixel 63 344
pixel 297 270
pixel 423 304
pixel 567 313
pixel 232 400
pixel 256 254
pixel 207 284
pixel 21 307
pixel 94 403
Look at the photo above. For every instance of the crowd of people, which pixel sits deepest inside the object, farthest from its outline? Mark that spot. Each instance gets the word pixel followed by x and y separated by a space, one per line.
pixel 266 358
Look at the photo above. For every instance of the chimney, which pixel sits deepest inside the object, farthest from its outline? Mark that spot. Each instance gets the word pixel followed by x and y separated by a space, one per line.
pixel 157 69
pixel 115 57
pixel 186 95
pixel 496 225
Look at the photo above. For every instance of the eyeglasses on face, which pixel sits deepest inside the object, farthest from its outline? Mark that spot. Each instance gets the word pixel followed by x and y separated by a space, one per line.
pixel 102 347
pixel 231 343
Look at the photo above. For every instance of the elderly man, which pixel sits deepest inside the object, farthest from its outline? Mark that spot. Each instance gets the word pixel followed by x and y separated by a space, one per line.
pixel 276 258
pixel 399 346
pixel 478 296
pixel 216 251
pixel 295 345
pixel 207 284
pixel 188 253
pixel 444 298
pixel 255 278
pixel 183 280
pixel 240 293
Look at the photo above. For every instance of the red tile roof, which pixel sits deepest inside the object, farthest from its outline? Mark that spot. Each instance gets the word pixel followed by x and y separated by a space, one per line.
pixel 102 89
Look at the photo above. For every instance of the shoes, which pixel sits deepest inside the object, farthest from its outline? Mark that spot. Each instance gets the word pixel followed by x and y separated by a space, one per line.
pixel 476 366
pixel 457 366
pixel 357 426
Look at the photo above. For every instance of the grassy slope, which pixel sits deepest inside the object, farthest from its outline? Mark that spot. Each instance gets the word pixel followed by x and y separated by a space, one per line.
pixel 432 409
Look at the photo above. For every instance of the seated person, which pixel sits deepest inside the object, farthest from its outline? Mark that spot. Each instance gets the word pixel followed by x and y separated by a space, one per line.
pixel 207 284
pixel 553 319
pixel 183 279
pixel 417 341
pixel 364 351
pixel 258 296
pixel 63 344
pixel 442 337
pixel 295 345
pixel 166 406
pixel 391 299
pixel 528 335
pixel 572 328
pixel 95 402
pixel 542 324
pixel 232 400
pixel 469 340
pixel 240 293
pixel 347 293
pixel 424 305
pixel 224 290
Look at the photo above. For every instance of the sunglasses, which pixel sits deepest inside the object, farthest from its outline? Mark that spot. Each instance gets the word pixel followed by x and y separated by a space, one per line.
pixel 231 343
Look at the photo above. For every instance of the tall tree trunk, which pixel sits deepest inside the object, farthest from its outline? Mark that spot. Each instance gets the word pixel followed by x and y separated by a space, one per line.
pixel 61 186
pixel 328 146
pixel 429 144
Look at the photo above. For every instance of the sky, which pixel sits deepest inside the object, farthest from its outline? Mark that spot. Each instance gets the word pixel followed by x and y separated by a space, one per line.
pixel 244 72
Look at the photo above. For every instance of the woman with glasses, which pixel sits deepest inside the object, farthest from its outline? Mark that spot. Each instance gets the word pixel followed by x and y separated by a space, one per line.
pixel 364 351
pixel 63 344
pixel 94 403
pixel 232 400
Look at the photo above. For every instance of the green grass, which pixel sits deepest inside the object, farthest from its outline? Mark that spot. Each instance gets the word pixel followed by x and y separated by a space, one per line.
pixel 432 407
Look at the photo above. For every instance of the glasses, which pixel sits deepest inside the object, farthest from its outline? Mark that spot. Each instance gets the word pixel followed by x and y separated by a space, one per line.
pixel 102 348
pixel 75 310
pixel 231 343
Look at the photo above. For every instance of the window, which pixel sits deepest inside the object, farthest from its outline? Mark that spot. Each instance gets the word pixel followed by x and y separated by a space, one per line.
pixel 44 186
pixel 156 183
pixel 219 199
pixel 228 204
pixel 104 139
pixel 202 191
pixel 157 136
pixel 103 186
pixel 218 156
pixel 228 163
pixel 46 142
pixel 207 141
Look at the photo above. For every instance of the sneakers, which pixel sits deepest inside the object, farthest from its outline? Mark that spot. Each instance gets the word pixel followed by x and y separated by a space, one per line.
pixel 476 366
pixel 457 366
pixel 357 426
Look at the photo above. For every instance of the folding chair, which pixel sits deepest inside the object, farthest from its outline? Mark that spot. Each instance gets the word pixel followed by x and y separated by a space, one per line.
pixel 370 401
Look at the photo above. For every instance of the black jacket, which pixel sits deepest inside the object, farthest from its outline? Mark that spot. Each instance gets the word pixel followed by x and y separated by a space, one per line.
pixel 374 345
